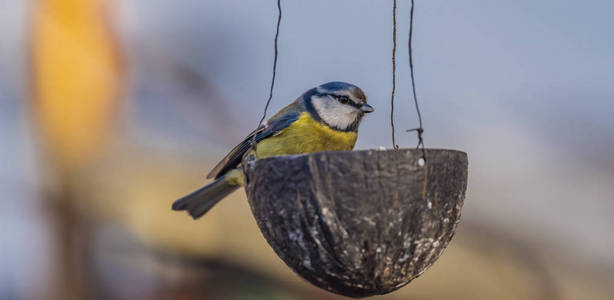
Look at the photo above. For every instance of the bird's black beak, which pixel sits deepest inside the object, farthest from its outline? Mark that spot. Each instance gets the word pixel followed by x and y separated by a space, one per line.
pixel 366 108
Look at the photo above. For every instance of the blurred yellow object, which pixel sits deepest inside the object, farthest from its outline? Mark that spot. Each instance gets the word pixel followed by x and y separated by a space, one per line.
pixel 75 78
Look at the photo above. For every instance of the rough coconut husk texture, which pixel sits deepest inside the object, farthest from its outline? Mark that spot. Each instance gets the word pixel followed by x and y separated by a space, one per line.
pixel 359 223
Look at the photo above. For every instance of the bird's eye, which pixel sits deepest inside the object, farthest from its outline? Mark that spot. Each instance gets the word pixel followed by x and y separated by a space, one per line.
pixel 343 99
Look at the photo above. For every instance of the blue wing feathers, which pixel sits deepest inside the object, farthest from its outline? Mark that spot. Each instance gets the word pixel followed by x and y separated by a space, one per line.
pixel 233 159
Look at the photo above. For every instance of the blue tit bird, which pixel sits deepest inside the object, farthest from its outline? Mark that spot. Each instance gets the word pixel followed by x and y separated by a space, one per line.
pixel 324 118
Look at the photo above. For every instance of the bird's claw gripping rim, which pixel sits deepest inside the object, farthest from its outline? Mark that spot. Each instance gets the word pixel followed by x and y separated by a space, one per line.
pixel 248 162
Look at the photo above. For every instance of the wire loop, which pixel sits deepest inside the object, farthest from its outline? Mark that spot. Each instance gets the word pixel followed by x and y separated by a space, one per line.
pixel 420 129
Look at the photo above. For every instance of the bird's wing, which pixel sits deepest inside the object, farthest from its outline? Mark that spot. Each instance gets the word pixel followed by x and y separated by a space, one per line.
pixel 233 159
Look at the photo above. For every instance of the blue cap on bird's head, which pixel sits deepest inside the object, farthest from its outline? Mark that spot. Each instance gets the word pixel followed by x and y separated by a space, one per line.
pixel 339 86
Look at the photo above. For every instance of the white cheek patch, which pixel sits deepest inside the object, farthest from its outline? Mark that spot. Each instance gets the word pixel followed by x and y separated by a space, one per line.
pixel 334 113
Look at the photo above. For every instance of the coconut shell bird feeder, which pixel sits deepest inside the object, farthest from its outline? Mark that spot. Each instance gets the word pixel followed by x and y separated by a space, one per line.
pixel 359 223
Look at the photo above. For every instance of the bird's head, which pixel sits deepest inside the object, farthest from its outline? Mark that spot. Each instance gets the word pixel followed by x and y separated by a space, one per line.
pixel 338 104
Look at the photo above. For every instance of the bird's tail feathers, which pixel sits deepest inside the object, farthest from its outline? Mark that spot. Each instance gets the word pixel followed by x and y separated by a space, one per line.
pixel 202 200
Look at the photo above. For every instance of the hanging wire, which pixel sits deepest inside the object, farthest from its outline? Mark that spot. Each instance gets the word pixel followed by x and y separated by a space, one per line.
pixel 394 69
pixel 268 102
pixel 420 129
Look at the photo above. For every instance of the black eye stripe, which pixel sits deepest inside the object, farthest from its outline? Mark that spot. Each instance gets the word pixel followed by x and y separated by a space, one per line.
pixel 346 100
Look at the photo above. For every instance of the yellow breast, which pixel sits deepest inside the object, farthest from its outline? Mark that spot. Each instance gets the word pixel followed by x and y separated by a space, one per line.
pixel 306 135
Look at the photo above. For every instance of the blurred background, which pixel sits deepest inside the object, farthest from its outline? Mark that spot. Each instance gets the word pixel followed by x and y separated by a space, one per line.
pixel 110 110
